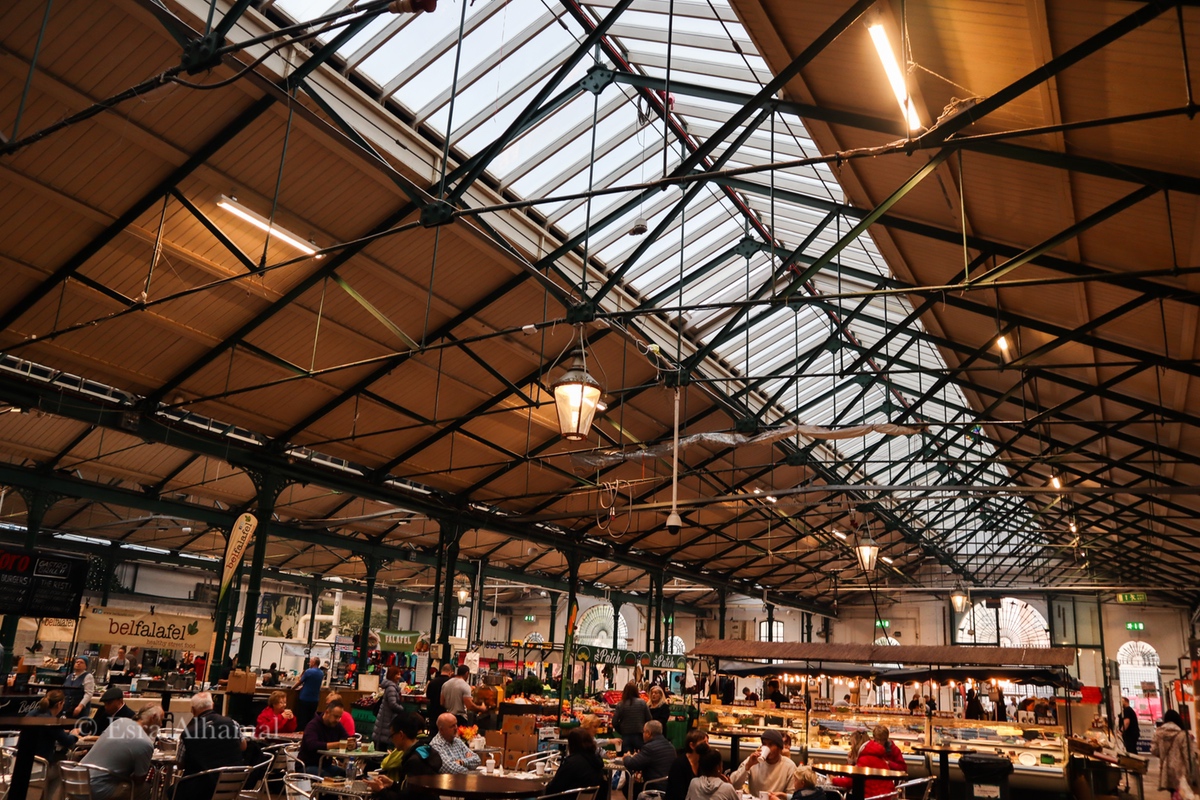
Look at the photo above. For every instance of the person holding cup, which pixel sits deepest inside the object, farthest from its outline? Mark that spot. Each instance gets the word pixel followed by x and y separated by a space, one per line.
pixel 766 770
pixel 581 769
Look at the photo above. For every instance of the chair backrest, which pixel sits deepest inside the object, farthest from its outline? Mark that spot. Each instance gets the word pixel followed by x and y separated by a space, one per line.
pixel 230 781
pixel 258 775
pixel 569 794
pixel 77 781
pixel 298 785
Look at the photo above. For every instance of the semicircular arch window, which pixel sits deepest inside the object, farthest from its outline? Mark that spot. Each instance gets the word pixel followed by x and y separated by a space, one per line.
pixel 534 638
pixel 1137 654
pixel 595 627
pixel 1014 624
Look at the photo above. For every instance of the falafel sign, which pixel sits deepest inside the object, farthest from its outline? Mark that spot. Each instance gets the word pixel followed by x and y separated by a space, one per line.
pixel 143 629
pixel 629 658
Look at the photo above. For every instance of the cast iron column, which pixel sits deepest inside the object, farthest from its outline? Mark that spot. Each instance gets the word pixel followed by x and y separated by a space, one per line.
pixel 269 486
pixel 770 622
pixel 314 606
pixel 372 564
pixel 569 634
pixel 452 532
pixel 721 616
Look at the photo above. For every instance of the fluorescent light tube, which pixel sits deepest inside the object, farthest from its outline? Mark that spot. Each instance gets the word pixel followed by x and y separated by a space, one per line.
pixel 264 224
pixel 891 66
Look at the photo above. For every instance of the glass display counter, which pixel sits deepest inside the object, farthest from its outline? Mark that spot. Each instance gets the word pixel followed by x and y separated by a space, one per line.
pixel 1038 752
pixel 829 733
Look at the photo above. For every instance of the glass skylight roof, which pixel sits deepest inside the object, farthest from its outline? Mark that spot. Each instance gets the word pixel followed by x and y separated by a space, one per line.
pixel 509 50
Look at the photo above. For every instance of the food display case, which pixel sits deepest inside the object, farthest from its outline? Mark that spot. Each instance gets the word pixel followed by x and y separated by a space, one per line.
pixel 829 733
pixel 1038 752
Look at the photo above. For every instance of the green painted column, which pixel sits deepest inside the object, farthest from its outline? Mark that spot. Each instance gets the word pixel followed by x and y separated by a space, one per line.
pixel 364 637
pixel 569 635
pixel 452 532
pixel 269 486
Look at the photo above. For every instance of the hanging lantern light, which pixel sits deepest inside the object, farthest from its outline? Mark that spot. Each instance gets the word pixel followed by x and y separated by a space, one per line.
pixel 958 597
pixel 576 394
pixel 867 552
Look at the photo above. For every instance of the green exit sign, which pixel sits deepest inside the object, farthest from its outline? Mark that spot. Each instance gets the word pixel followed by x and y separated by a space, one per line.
pixel 883 623
pixel 531 617
pixel 1135 626
pixel 1131 597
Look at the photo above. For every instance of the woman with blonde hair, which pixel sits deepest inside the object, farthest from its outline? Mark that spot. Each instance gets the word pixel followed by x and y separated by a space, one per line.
pixel 276 717
pixel 660 709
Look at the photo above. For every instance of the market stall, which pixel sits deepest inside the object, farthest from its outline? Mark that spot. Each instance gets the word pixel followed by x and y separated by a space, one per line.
pixel 1037 746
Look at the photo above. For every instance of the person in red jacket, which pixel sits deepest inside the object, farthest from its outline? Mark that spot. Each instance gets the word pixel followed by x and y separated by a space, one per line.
pixel 276 717
pixel 880 753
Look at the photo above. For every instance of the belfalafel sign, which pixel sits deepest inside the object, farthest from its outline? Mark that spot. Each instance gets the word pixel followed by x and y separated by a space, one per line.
pixel 143 629
pixel 629 658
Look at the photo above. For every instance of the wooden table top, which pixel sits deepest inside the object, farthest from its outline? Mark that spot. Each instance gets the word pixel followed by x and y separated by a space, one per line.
pixel 854 769
pixel 477 785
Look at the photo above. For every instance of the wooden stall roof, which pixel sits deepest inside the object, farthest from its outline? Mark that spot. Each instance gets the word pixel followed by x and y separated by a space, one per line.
pixel 872 654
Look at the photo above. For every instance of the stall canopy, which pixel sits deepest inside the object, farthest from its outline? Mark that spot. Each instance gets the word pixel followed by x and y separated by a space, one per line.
pixel 884 654
pixel 839 669
pixel 1038 676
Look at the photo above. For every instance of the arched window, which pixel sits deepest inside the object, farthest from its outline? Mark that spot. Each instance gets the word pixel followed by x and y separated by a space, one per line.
pixel 1014 624
pixel 534 638
pixel 775 629
pixel 595 627
pixel 887 641
pixel 1137 654
pixel 676 647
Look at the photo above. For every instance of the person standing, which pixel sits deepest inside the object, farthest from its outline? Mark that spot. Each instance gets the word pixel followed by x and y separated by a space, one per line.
pixel 974 709
pixel 1174 748
pixel 660 709
pixel 630 718
pixel 79 687
pixel 309 696
pixel 456 696
pixel 774 694
pixel 1130 730
pixel 433 692
pixel 389 708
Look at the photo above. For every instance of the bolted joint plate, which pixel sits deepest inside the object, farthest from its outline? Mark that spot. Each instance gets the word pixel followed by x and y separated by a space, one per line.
pixel 746 425
pixel 581 312
pixel 748 246
pixel 200 54
pixel 596 80
pixel 436 214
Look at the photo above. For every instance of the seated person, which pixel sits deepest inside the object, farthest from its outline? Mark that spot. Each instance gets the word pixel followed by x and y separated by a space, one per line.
pixel 807 785
pixel 582 768
pixel 711 783
pixel 409 757
pixel 50 741
pixel 654 759
pixel 112 707
pixel 456 756
pixel 276 717
pixel 347 718
pixel 209 741
pixel 686 766
pixel 770 774
pixel 123 751
pixel 320 731
pixel 880 753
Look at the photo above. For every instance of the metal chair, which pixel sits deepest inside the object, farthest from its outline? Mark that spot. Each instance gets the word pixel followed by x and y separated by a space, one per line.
pixel 258 777
pixel 298 785
pixel 901 790
pixel 525 763
pixel 37 776
pixel 77 781
pixel 229 781
pixel 649 793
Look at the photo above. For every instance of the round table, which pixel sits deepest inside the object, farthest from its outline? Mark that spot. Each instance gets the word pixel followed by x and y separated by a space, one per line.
pixel 476 786
pixel 858 775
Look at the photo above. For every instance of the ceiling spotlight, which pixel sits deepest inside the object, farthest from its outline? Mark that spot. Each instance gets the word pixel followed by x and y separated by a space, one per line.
pixel 1073 528
pixel 576 394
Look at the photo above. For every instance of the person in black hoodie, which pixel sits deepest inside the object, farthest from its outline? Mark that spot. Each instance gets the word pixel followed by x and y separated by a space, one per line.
pixel 686 766
pixel 582 768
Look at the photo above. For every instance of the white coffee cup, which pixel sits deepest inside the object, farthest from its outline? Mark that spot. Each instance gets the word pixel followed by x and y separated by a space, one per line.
pixel 764 796
pixel 763 752
pixel 540 768
pixel 489 766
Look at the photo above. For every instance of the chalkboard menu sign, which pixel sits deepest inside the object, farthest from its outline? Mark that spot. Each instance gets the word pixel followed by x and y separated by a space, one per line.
pixel 40 585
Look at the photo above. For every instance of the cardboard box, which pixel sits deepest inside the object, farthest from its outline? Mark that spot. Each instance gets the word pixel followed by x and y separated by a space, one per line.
pixel 510 758
pixel 521 742
pixel 494 738
pixel 241 682
pixel 518 724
